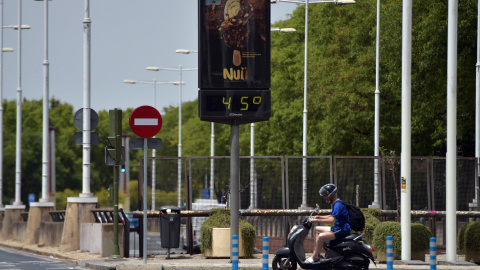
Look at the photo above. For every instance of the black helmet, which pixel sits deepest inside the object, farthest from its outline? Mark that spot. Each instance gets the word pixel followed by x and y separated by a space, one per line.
pixel 328 190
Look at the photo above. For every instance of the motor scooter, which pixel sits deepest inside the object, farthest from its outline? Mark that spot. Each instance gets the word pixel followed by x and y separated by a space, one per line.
pixel 350 252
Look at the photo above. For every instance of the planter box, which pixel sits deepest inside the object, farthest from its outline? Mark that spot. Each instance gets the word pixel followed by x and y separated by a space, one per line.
pixel 221 245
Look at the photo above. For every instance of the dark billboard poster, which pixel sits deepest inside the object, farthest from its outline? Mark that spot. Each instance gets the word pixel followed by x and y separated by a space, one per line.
pixel 234 44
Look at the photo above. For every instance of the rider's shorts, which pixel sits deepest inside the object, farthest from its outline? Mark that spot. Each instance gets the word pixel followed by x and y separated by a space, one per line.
pixel 340 233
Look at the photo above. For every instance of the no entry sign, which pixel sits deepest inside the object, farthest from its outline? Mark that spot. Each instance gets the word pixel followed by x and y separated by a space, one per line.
pixel 145 121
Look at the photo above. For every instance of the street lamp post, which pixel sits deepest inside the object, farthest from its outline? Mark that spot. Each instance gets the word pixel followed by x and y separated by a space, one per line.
pixel 154 83
pixel 212 138
pixel 180 69
pixel 304 148
pixel 253 176
pixel 376 144
pixel 18 162
pixel 18 166
pixel 86 153
pixel 46 125
pixel 1 101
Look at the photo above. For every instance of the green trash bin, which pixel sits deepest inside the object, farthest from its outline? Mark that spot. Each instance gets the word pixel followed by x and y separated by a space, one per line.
pixel 170 226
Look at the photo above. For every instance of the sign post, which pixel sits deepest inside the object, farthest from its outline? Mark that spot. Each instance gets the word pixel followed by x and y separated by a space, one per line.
pixel 145 122
pixel 115 151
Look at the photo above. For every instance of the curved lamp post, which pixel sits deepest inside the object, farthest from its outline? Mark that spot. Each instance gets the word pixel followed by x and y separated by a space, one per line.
pixel 180 70
pixel 154 83
pixel 304 152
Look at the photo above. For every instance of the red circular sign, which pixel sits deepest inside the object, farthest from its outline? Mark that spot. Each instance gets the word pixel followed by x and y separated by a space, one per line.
pixel 145 121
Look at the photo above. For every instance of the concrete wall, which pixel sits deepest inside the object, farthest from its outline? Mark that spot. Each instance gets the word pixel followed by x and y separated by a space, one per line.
pixel 50 234
pixel 153 224
pixel 19 231
pixel 97 238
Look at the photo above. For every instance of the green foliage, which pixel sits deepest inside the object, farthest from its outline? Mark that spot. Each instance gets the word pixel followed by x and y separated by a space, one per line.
pixel 61 198
pixel 461 239
pixel 104 201
pixel 420 237
pixel 133 194
pixel 471 240
pixel 371 222
pixel 376 213
pixel 380 234
pixel 472 236
pixel 220 218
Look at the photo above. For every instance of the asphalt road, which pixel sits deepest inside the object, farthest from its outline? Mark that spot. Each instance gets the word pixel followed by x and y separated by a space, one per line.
pixel 16 260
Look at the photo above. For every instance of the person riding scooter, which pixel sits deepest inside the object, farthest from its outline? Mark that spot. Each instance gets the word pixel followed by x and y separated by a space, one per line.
pixel 339 217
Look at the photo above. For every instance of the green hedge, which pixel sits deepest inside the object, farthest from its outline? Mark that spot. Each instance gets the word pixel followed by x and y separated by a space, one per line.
pixel 220 218
pixel 371 223
pixel 461 239
pixel 380 234
pixel 420 237
pixel 469 241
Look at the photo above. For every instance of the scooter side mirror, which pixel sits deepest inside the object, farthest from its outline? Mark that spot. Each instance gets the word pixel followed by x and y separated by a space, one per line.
pixel 317 208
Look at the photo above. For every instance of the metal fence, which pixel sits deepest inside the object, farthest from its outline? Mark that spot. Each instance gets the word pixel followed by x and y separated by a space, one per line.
pixel 277 182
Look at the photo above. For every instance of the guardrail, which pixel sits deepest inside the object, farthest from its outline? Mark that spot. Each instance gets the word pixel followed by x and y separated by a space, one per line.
pixel 278 227
pixel 57 216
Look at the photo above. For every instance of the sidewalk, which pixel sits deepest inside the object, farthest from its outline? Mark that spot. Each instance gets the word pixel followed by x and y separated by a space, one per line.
pixel 193 262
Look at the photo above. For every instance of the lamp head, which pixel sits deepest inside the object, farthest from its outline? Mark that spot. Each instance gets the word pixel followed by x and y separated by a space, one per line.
pixel 345 2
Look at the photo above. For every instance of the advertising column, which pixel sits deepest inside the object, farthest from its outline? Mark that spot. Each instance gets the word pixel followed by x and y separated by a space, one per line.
pixel 234 61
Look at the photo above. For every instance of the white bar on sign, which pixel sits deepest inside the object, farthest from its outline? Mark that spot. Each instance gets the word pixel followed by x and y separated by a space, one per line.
pixel 146 122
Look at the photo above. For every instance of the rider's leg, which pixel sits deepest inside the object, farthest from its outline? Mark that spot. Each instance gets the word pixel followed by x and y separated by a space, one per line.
pixel 321 238
pixel 318 248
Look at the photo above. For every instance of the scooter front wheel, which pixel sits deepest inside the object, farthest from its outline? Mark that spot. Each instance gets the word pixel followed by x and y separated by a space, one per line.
pixel 280 262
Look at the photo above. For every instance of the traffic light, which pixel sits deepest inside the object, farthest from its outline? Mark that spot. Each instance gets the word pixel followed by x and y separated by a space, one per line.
pixel 114 148
pixel 122 168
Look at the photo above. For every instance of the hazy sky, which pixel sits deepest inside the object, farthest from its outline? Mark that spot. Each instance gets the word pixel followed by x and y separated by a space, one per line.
pixel 126 37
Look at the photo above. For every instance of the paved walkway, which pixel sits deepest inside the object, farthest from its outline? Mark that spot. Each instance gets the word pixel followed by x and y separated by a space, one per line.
pixel 194 262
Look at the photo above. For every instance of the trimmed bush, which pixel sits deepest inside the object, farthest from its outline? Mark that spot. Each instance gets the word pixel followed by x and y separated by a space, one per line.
pixel 471 242
pixel 220 218
pixel 380 234
pixel 377 213
pixel 421 235
pixel 420 240
pixel 371 223
pixel 461 239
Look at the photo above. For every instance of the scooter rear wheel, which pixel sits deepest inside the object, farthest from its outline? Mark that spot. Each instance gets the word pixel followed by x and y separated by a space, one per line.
pixel 278 263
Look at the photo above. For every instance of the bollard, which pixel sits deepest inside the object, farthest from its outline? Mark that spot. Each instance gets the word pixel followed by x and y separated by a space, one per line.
pixel 389 252
pixel 265 252
pixel 433 253
pixel 234 252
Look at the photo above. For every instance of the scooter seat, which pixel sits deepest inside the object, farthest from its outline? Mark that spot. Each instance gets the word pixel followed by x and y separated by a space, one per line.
pixel 349 237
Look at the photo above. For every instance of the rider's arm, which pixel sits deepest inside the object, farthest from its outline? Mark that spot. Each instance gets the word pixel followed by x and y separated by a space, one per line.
pixel 323 219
